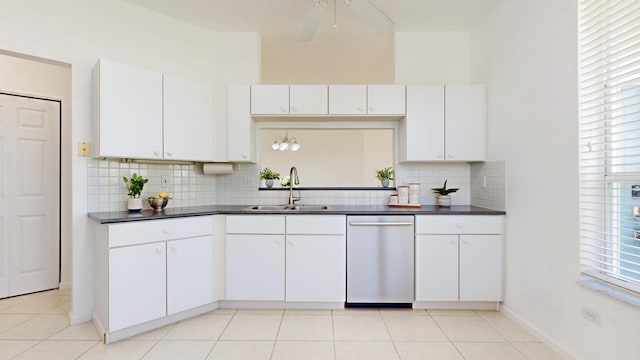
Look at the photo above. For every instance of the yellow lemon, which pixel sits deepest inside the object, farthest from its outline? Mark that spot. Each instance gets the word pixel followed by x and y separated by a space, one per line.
pixel 156 196
pixel 164 194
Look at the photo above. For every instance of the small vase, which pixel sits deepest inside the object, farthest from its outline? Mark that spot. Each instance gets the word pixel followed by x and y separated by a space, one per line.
pixel 384 182
pixel 134 204
pixel 269 183
pixel 444 200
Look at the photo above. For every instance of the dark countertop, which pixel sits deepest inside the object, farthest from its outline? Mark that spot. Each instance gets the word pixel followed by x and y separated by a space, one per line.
pixel 124 216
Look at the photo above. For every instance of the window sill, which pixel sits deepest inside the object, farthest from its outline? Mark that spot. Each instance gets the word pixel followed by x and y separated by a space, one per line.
pixel 611 290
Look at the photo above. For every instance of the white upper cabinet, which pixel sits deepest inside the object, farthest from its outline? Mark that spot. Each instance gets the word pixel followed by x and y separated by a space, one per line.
pixel 464 127
pixel 188 119
pixel 422 130
pixel 347 99
pixel 143 114
pixel 386 99
pixel 241 132
pixel 308 100
pixel 128 106
pixel 270 99
pixel 443 123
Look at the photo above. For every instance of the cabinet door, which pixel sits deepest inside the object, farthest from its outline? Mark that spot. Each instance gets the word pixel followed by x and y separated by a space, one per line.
pixel 308 100
pixel 437 267
pixel 347 99
pixel 129 108
pixel 255 267
pixel 422 130
pixel 316 268
pixel 241 132
pixel 188 119
pixel 269 99
pixel 464 131
pixel 189 273
pixel 386 99
pixel 480 267
pixel 137 285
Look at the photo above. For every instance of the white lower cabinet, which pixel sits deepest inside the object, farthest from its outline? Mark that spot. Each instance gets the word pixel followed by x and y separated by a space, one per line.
pixel 189 273
pixel 458 258
pixel 255 267
pixel 305 263
pixel 316 268
pixel 148 272
pixel 137 291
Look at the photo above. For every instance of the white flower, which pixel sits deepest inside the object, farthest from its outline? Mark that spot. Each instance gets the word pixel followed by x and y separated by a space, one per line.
pixel 285 181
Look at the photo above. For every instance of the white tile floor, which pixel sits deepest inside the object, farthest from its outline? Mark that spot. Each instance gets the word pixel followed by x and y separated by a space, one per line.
pixel 36 327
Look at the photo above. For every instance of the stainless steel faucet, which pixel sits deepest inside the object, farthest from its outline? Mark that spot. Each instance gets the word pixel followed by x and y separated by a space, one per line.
pixel 292 181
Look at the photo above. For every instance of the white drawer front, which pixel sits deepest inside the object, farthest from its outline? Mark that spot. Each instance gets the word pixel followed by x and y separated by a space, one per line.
pixel 140 232
pixel 458 224
pixel 255 224
pixel 316 224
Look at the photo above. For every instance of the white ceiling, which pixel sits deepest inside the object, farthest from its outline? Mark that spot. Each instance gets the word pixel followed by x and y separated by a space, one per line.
pixel 282 18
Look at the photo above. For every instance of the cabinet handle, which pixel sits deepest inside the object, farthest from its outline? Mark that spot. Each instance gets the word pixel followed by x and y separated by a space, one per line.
pixel 156 152
pixel 244 156
pixel 465 242
pixel 294 109
pixel 451 156
pixel 158 250
pixel 166 231
pixel 459 226
pixel 172 248
pixel 169 153
pixel 439 156
pixel 453 242
pixel 372 109
pixel 283 109
pixel 361 108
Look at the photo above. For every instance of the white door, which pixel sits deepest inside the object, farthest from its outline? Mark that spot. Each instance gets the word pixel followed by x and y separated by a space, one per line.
pixel 29 195
pixel 480 267
pixel 437 267
pixel 386 99
pixel 464 128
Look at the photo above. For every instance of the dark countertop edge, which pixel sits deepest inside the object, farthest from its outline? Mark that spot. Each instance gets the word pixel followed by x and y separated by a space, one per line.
pixel 123 216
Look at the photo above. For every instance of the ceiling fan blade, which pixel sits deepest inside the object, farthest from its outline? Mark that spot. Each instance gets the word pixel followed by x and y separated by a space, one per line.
pixel 312 20
pixel 372 15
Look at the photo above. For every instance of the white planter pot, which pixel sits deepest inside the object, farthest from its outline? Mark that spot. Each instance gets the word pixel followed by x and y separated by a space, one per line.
pixel 134 204
pixel 444 200
pixel 384 182
pixel 269 182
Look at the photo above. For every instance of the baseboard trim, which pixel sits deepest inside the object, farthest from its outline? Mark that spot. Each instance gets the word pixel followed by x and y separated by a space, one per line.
pixel 537 332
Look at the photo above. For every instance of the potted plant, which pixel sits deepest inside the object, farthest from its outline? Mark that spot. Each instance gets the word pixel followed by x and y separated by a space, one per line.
pixel 135 186
pixel 443 197
pixel 268 176
pixel 384 175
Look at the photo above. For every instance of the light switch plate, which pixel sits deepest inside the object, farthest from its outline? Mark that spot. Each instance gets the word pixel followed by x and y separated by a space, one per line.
pixel 84 149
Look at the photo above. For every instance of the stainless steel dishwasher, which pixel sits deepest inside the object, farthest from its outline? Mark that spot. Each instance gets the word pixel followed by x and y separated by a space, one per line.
pixel 380 260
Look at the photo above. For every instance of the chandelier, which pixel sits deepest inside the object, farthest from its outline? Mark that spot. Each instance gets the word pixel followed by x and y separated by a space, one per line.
pixel 285 143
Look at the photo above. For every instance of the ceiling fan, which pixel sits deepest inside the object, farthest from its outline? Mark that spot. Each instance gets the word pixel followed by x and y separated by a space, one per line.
pixel 361 8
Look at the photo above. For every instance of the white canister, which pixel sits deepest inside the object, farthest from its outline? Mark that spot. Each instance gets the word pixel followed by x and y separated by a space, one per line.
pixel 393 199
pixel 403 194
pixel 414 193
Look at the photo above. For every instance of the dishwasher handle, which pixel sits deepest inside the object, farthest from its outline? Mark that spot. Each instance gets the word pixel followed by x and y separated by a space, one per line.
pixel 399 223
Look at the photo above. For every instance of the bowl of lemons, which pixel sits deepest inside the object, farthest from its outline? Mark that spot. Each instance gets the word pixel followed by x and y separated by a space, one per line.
pixel 159 201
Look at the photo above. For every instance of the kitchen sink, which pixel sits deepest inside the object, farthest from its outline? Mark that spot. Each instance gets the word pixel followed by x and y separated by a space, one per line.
pixel 289 207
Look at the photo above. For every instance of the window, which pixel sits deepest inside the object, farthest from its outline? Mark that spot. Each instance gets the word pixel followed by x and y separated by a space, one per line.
pixel 609 84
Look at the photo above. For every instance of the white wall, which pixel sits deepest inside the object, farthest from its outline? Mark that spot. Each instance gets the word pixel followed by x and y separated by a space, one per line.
pixel 439 57
pixel 526 51
pixel 80 32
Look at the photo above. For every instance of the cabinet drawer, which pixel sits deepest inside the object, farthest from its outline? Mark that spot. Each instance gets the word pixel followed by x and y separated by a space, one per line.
pixel 255 224
pixel 316 224
pixel 159 230
pixel 464 224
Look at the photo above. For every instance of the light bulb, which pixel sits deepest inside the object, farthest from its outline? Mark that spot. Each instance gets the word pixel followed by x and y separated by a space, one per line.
pixel 284 146
pixel 295 146
pixel 275 145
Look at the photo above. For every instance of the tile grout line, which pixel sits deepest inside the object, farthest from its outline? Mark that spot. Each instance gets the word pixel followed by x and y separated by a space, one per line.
pixel 497 331
pixel 221 333
pixel 446 335
pixel 275 341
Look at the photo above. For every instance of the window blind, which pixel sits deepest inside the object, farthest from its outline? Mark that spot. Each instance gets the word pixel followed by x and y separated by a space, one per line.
pixel 609 147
